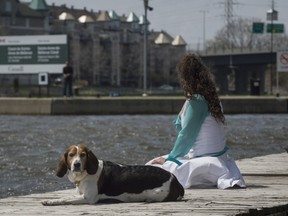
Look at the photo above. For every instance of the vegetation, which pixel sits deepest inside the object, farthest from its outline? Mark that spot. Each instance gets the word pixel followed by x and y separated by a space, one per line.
pixel 239 35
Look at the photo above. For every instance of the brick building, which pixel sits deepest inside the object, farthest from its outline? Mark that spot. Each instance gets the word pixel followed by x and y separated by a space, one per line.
pixel 104 48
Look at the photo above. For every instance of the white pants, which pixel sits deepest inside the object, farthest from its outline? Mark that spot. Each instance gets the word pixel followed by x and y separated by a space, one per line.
pixel 205 172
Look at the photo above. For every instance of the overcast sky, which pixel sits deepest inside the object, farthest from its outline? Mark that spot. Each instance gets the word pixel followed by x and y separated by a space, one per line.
pixel 186 17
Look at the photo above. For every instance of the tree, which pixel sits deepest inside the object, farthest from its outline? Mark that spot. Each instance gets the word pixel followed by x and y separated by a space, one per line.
pixel 239 35
pixel 130 71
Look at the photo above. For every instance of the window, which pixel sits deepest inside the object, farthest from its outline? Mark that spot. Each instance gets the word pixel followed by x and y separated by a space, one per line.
pixel 8 6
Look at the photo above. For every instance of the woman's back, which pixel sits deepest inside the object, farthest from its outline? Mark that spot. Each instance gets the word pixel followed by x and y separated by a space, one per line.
pixel 211 138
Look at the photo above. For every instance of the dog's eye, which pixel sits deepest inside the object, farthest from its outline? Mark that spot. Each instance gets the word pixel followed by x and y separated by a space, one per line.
pixel 83 154
pixel 71 154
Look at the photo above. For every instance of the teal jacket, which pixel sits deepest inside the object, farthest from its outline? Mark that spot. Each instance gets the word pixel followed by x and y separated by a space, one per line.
pixel 195 113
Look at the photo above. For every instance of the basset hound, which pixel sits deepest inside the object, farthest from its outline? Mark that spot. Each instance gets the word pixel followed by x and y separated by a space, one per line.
pixel 105 181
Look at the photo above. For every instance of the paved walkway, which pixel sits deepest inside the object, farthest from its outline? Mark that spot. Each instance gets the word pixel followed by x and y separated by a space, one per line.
pixel 266 194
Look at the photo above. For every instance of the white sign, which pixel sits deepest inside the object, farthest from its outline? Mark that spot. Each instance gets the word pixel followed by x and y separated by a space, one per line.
pixel 32 54
pixel 282 61
pixel 43 78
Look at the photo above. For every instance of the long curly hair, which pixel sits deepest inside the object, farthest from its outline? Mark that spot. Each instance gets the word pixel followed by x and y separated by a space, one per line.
pixel 196 78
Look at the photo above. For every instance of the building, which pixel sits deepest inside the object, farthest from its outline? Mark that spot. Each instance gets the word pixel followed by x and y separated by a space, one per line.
pixel 104 48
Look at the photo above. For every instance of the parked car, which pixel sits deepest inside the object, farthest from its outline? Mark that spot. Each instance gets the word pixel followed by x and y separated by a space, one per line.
pixel 58 81
pixel 166 87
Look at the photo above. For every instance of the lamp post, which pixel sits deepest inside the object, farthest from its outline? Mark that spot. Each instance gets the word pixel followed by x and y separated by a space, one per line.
pixel 272 15
pixel 146 7
pixel 204 28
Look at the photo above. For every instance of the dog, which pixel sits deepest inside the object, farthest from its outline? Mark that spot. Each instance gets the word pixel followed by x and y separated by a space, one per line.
pixel 100 181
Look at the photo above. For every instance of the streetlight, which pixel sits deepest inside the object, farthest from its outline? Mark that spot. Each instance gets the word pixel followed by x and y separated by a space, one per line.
pixel 204 28
pixel 272 15
pixel 146 7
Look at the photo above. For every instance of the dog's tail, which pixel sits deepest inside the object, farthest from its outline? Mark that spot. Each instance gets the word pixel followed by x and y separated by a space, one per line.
pixel 176 190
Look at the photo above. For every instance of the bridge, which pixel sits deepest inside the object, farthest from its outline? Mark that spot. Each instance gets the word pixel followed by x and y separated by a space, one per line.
pixel 243 71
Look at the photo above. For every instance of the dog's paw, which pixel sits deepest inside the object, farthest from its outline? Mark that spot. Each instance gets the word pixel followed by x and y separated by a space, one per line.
pixel 46 202
pixel 52 202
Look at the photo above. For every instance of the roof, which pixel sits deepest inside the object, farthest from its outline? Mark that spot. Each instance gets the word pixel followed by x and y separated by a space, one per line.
pixel 113 15
pixel 85 19
pixel 103 16
pixel 38 5
pixel 178 41
pixel 132 17
pixel 123 18
pixel 26 11
pixel 141 20
pixel 163 38
pixel 56 11
pixel 66 16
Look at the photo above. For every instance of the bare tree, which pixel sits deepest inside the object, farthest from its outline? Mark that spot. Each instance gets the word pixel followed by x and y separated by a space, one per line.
pixel 130 71
pixel 242 37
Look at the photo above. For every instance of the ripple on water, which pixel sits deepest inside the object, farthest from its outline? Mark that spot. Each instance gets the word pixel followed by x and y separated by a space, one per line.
pixel 30 146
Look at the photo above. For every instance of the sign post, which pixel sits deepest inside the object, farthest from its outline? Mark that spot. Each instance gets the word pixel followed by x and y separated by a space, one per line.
pixel 275 28
pixel 43 80
pixel 282 60
pixel 258 27
pixel 282 65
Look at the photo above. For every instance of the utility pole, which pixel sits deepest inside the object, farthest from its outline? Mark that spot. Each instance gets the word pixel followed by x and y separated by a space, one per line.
pixel 271 51
pixel 228 9
pixel 146 7
pixel 272 15
pixel 229 16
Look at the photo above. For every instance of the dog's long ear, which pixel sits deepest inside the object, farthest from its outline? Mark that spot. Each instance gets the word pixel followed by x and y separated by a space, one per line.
pixel 62 166
pixel 92 163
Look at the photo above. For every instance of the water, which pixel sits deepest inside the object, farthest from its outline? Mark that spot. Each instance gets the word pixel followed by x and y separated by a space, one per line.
pixel 30 146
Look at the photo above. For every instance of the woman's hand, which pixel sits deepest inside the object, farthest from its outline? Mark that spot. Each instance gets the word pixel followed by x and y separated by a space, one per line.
pixel 159 160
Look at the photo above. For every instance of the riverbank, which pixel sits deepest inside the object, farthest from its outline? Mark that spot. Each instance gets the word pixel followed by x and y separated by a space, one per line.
pixel 266 194
pixel 133 105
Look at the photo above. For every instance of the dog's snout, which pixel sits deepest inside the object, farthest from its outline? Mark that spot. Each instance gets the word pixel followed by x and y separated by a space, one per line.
pixel 77 165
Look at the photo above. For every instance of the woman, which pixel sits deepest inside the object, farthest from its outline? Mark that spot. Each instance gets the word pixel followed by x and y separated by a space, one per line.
pixel 199 156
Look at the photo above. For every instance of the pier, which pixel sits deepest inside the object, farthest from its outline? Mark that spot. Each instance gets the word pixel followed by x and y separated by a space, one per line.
pixel 266 194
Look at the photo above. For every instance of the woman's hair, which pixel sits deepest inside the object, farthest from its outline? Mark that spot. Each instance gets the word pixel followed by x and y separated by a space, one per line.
pixel 196 78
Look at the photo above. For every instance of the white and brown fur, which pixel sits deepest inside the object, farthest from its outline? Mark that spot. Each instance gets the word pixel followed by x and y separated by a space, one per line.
pixel 103 181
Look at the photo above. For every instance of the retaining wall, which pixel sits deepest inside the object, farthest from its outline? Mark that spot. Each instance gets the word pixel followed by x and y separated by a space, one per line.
pixel 125 105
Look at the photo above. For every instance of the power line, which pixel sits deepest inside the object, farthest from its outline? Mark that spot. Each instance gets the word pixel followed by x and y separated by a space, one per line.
pixel 229 16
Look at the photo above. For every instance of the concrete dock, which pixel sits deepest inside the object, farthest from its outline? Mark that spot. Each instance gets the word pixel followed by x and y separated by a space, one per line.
pixel 134 105
pixel 266 194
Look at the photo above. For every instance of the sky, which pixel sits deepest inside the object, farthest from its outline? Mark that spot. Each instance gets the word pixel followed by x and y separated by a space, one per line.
pixel 195 20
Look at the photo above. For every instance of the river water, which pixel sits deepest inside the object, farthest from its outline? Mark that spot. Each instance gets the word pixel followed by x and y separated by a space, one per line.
pixel 30 146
